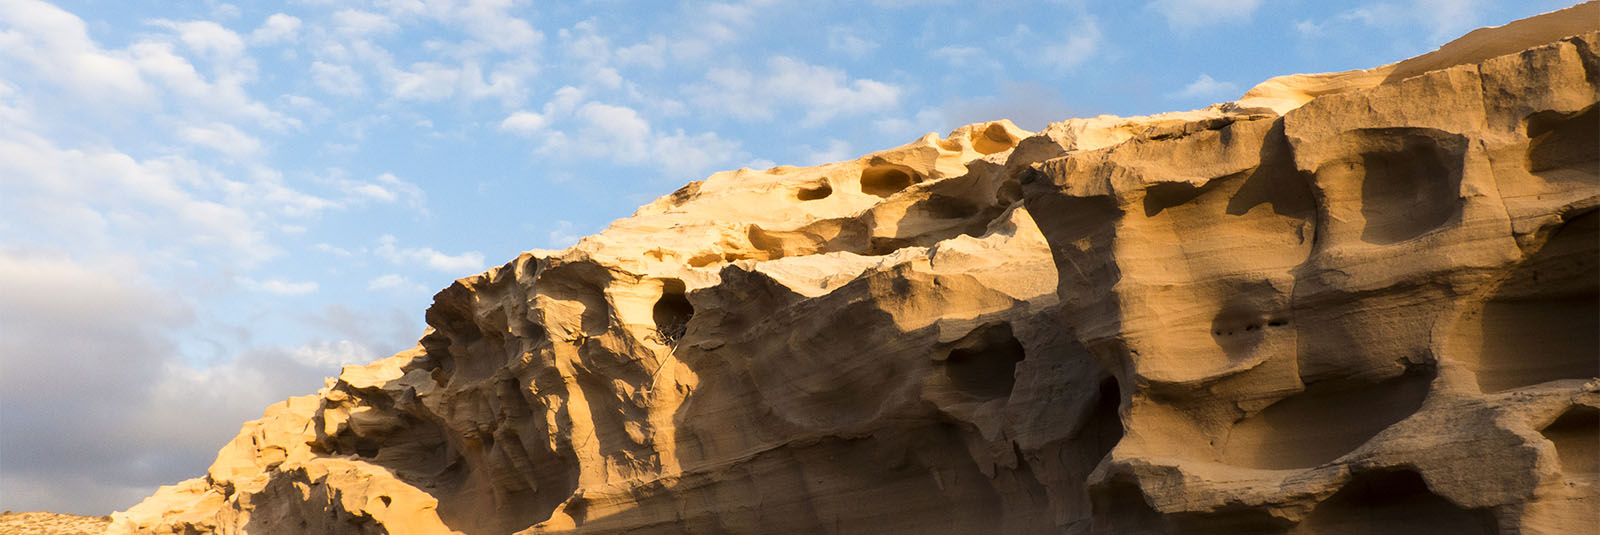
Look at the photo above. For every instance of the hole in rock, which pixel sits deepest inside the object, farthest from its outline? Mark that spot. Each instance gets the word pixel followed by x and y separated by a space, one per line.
pixel 992 139
pixel 1010 191
pixel 1120 507
pixel 1323 422
pixel 811 194
pixel 1392 503
pixel 386 500
pixel 578 509
pixel 984 363
pixel 945 207
pixel 512 398
pixel 1564 141
pixel 1104 427
pixel 672 313
pixel 886 180
pixel 1543 323
pixel 1576 435
pixel 1410 182
pixel 367 449
pixel 1237 328
pixel 1158 197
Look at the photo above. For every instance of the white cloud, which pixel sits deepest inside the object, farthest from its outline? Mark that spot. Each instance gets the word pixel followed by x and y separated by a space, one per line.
pixel 847 41
pixel 432 81
pixel 392 189
pixel 924 121
pixel 386 188
pixel 489 21
pixel 267 189
pixel 507 81
pixel 563 236
pixel 224 11
pixel 565 100
pixel 332 355
pixel 360 23
pixel 394 282
pixel 425 81
pixel 967 57
pixel 1448 18
pixel 207 38
pixel 621 135
pixel 1079 44
pixel 524 122
pixel 1184 15
pixel 278 28
pixel 650 53
pixel 837 150
pixel 460 264
pixel 1207 87
pixel 619 128
pixel 682 156
pixel 221 137
pixel 331 249
pixel 822 93
pixel 57 46
pixel 104 198
pixel 1029 105
pixel 278 286
pixel 1444 19
pixel 337 79
pixel 713 25
pixel 42 42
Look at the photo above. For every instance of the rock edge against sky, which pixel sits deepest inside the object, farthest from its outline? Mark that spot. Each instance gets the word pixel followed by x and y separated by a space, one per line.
pixel 1349 302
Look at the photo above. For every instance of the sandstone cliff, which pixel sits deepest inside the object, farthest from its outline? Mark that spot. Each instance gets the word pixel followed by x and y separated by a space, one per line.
pixel 1361 302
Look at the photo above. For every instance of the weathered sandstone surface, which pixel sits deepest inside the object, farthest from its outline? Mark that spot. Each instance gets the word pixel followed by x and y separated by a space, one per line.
pixel 41 523
pixel 1361 302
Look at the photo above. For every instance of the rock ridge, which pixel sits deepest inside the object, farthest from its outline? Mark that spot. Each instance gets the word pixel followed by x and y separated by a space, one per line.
pixel 1362 302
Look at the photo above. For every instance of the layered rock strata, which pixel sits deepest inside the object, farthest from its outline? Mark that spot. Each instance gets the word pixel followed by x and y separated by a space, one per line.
pixel 1364 302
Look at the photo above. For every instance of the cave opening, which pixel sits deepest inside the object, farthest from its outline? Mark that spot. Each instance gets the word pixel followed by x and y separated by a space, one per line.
pixel 672 312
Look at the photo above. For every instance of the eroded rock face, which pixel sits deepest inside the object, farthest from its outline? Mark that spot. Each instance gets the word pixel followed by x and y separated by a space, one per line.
pixel 1369 306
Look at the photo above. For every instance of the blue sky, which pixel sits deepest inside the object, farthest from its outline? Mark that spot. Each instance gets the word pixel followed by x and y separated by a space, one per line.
pixel 210 206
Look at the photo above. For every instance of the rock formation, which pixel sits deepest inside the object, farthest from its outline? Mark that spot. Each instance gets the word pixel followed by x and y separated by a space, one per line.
pixel 1362 302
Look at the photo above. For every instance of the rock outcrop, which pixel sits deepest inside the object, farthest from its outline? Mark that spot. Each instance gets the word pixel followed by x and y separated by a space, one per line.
pixel 1361 302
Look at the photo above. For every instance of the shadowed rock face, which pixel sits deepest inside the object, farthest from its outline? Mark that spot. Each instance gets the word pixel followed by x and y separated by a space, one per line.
pixel 1349 303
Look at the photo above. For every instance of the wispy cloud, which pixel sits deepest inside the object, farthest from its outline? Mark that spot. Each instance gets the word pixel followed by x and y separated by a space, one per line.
pixel 278 286
pixel 620 134
pixel 458 264
pixel 1444 19
pixel 836 150
pixel 221 137
pixel 822 93
pixel 338 79
pixel 1205 86
pixel 278 28
pixel 848 41
pixel 563 235
pixel 394 282
pixel 1185 15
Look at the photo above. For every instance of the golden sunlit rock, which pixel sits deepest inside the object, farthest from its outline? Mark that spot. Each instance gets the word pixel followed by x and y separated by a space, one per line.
pixel 1350 303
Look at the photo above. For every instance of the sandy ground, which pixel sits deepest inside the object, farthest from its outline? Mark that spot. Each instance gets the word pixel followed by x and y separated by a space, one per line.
pixel 51 524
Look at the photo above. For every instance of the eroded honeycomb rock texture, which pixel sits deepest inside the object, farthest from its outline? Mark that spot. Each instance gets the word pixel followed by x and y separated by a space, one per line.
pixel 1351 303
